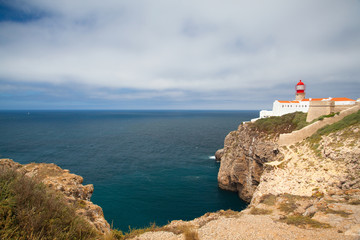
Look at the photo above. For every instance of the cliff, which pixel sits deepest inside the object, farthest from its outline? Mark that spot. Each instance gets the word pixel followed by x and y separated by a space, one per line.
pixel 69 185
pixel 243 156
pixel 308 190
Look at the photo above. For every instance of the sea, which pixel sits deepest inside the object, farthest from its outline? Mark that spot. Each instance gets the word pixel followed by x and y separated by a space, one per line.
pixel 146 166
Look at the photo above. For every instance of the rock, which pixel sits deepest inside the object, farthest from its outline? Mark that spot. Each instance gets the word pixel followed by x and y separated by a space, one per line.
pixel 70 185
pixel 310 211
pixel 6 163
pixel 332 219
pixel 245 151
pixel 218 155
pixel 353 230
pixel 158 235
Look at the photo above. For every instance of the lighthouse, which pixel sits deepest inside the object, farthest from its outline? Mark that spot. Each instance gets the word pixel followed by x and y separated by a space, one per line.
pixel 314 107
pixel 300 91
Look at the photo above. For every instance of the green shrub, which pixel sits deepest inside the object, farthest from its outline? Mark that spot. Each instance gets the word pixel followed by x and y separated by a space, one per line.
pixel 283 124
pixel 28 210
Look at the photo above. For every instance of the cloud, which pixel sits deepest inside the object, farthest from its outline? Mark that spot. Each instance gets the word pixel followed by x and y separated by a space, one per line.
pixel 181 50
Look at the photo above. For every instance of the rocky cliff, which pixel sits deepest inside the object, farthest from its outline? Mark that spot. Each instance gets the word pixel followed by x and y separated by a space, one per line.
pixel 70 185
pixel 242 159
pixel 308 190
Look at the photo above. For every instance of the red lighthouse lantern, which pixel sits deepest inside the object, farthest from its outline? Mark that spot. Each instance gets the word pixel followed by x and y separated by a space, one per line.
pixel 300 91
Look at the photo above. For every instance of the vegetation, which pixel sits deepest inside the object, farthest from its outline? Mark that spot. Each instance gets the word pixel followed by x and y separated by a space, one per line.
pixel 133 232
pixel 301 221
pixel 338 212
pixel 260 211
pixel 31 211
pixel 283 124
pixel 325 116
pixel 347 121
pixel 228 213
pixel 287 207
pixel 268 199
pixel 186 229
pixel 28 210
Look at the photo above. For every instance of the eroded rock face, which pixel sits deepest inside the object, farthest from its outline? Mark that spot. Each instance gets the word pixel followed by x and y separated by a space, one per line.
pixel 218 155
pixel 68 184
pixel 245 151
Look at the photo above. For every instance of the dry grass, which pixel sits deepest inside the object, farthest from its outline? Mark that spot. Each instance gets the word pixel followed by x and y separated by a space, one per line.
pixel 228 213
pixel 260 211
pixel 341 213
pixel 28 210
pixel 301 221
pixel 268 199
pixel 187 229
pixel 287 207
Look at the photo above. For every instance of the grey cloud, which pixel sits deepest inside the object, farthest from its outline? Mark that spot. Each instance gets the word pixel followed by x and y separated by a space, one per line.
pixel 177 49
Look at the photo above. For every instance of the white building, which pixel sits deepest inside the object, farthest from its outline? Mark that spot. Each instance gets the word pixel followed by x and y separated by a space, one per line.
pixel 302 104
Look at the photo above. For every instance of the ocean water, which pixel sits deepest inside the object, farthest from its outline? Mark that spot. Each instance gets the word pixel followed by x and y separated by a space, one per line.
pixel 146 166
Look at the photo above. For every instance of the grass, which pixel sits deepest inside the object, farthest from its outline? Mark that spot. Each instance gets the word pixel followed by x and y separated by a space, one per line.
pixel 283 124
pixel 301 221
pixel 133 232
pixel 268 199
pixel 287 207
pixel 347 121
pixel 326 116
pixel 260 211
pixel 28 210
pixel 228 213
pixel 186 229
pixel 340 213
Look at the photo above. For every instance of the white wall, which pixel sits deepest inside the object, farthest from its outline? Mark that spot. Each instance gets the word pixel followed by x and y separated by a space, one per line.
pixel 284 108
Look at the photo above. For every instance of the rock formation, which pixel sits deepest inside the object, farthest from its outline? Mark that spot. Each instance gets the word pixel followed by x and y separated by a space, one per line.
pixel 313 186
pixel 218 155
pixel 308 190
pixel 244 154
pixel 70 185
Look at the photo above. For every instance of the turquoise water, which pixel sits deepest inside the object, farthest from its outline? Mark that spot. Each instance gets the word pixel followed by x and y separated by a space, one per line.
pixel 146 166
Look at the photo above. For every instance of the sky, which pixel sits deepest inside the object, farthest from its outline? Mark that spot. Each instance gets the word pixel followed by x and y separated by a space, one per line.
pixel 167 54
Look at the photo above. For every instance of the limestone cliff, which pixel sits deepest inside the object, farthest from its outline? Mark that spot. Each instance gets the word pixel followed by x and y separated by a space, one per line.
pixel 70 185
pixel 309 190
pixel 243 156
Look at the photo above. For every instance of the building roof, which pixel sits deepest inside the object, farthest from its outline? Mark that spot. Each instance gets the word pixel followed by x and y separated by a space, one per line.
pixel 343 99
pixel 300 83
pixel 288 101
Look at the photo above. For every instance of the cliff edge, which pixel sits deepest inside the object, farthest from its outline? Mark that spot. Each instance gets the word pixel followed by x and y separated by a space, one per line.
pixel 308 190
pixel 244 154
pixel 69 185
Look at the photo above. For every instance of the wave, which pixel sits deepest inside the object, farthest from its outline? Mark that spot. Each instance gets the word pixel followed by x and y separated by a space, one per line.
pixel 211 157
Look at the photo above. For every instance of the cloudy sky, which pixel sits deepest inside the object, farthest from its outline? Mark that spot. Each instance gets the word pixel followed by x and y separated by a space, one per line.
pixel 168 54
